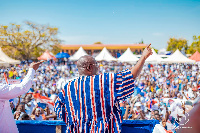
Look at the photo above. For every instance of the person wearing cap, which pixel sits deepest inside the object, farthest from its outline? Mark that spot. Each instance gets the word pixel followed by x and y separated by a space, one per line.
pixel 7 123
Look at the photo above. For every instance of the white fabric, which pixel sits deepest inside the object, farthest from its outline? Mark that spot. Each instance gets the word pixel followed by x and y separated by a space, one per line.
pixel 7 59
pixel 128 56
pixel 104 55
pixel 53 97
pixel 4 63
pixel 7 123
pixel 38 118
pixel 154 58
pixel 178 57
pixel 28 109
pixel 159 129
pixel 78 54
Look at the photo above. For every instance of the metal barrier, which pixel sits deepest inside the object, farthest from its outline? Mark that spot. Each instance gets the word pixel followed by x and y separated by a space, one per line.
pixel 32 126
pixel 128 126
pixel 138 126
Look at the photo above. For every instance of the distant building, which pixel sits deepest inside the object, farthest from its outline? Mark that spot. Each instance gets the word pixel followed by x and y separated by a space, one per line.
pixel 96 48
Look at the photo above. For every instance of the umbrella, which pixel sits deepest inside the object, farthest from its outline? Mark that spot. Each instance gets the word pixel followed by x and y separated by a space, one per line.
pixel 62 55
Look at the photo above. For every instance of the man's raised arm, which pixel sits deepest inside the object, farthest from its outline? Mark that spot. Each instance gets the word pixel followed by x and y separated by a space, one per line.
pixel 14 90
pixel 138 67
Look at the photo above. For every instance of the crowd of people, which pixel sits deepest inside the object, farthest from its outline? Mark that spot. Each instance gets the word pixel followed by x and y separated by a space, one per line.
pixel 163 92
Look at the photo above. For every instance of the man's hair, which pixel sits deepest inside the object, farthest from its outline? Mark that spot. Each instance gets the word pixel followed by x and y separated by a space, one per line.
pixel 83 61
pixel 25 117
pixel 156 113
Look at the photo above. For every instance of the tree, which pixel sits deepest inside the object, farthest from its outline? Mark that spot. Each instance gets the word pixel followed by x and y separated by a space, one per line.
pixel 97 43
pixel 29 43
pixel 56 49
pixel 142 42
pixel 156 50
pixel 174 44
pixel 195 46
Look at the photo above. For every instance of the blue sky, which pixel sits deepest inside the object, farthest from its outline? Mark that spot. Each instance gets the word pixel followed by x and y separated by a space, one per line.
pixel 109 21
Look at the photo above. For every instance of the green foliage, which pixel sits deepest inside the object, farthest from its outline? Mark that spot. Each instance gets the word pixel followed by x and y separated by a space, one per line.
pixel 156 50
pixel 55 49
pixel 195 46
pixel 98 43
pixel 174 44
pixel 29 43
pixel 142 42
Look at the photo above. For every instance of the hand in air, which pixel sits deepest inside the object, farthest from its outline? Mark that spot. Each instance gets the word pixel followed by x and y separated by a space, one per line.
pixel 147 51
pixel 35 65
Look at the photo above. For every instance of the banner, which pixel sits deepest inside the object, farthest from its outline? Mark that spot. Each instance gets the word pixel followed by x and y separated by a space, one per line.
pixel 11 81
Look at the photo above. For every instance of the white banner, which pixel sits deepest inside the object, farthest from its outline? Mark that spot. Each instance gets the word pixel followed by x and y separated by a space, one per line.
pixel 11 81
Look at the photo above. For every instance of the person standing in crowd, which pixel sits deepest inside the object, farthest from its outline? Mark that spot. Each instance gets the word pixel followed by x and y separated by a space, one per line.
pixel 7 123
pixel 90 103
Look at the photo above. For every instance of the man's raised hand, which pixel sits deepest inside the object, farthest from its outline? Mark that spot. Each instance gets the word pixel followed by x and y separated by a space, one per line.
pixel 35 65
pixel 147 51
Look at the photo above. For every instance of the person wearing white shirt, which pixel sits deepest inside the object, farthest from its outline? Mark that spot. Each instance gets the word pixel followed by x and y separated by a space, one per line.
pixel 7 123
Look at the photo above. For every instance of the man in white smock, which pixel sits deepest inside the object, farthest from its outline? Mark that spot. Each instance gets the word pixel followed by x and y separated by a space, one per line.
pixel 7 122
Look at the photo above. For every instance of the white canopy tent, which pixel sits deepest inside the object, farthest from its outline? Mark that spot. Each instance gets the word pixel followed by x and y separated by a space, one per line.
pixel 163 51
pixel 3 63
pixel 78 54
pixel 128 56
pixel 104 55
pixel 164 56
pixel 138 56
pixel 154 58
pixel 7 59
pixel 177 57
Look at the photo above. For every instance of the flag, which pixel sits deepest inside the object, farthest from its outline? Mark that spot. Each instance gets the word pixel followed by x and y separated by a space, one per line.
pixel 43 99
pixel 170 101
pixel 136 112
pixel 5 76
pixel 188 96
pixel 150 103
pixel 30 91
pixel 42 105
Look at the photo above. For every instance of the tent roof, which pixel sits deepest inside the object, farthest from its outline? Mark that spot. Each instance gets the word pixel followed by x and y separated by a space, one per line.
pixel 178 57
pixel 4 63
pixel 128 56
pixel 62 55
pixel 7 59
pixel 46 56
pixel 154 58
pixel 104 55
pixel 195 56
pixel 78 54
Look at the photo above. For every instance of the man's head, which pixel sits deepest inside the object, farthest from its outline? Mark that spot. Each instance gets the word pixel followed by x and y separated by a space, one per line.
pixel 37 112
pixel 156 112
pixel 157 117
pixel 28 99
pixel 11 105
pixel 87 65
pixel 25 117
pixel 21 107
